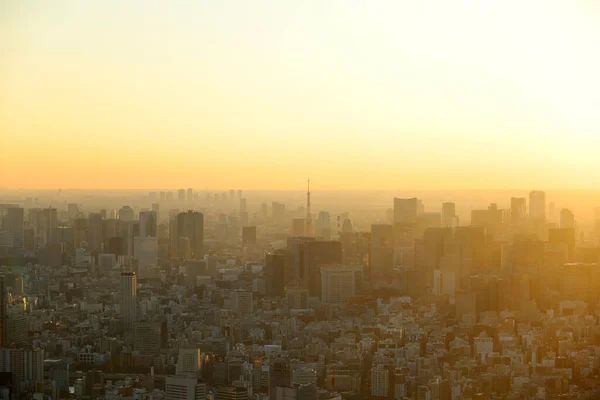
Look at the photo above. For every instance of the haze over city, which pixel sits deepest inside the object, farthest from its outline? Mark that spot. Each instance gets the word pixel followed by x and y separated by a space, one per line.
pixel 299 200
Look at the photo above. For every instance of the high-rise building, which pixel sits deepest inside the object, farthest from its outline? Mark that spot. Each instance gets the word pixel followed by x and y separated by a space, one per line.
pixel 14 222
pixel 190 195
pixel 323 225
pixel 184 388
pixel 190 224
pixel 95 232
pixel 567 219
pixel 150 336
pixel 382 249
pixel 295 258
pixel 405 210
pixel 340 283
pixel 278 211
pixel 148 223
pixel 280 375
pixel 537 205
pixel 181 195
pixel 243 206
pixel 564 237
pixel 380 380
pixel 518 211
pixel 274 273
pixel 188 362
pixel 126 213
pixel 128 299
pixel 25 365
pixel 449 218
pixel 248 235
pixel 317 254
pixel 145 251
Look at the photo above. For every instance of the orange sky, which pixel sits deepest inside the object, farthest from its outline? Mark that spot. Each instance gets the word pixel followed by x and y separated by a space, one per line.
pixel 263 94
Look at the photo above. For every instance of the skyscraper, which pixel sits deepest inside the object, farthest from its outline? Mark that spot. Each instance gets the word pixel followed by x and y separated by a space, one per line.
pixel 274 273
pixel 317 254
pixel 148 223
pixel 382 249
pixel 340 283
pixel 128 300
pixel 190 224
pixel 567 218
pixel 405 210
pixel 95 232
pixel 126 213
pixel 449 219
pixel 145 251
pixel 537 205
pixel 14 222
pixel 518 211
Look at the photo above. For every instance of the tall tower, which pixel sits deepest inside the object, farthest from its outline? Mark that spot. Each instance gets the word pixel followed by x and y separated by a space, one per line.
pixel 308 219
pixel 128 299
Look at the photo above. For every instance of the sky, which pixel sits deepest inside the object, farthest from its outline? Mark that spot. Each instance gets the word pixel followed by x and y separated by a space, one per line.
pixel 264 94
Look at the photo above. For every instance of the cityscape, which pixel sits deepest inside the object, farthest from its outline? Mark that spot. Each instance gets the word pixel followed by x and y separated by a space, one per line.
pixel 299 200
pixel 187 294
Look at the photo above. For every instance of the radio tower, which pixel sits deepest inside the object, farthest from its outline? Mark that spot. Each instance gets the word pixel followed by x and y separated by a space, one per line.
pixel 308 219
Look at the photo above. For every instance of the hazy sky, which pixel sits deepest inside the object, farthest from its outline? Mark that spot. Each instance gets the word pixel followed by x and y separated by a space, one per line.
pixel 262 94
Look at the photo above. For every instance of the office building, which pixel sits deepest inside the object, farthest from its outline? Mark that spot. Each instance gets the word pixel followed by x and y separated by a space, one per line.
pixel 567 219
pixel 449 218
pixel 340 283
pixel 184 388
pixel 145 251
pixel 95 235
pixel 128 300
pixel 148 223
pixel 405 210
pixel 25 365
pixel 190 225
pixel 181 195
pixel 315 255
pixel 248 235
pixel 518 212
pixel 188 362
pixel 150 336
pixel 537 205
pixel 323 225
pixel 14 222
pixel 274 273
pixel 380 380
pixel 382 249
pixel 126 213
pixel 563 238
pixel 280 375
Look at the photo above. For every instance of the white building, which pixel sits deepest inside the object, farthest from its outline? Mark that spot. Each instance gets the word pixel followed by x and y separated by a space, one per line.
pixel 184 388
pixel 340 283
pixel 483 346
